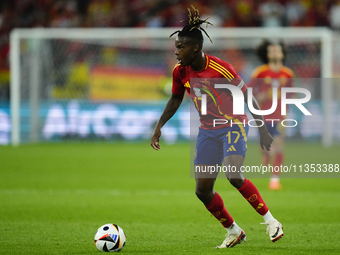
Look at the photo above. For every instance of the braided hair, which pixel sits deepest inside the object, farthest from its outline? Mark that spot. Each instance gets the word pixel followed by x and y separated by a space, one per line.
pixel 193 29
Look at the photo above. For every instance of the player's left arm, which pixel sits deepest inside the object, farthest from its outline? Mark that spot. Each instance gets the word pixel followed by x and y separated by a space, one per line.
pixel 265 138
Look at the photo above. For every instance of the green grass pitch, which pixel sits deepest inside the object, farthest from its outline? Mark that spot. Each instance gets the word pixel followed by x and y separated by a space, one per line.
pixel 53 197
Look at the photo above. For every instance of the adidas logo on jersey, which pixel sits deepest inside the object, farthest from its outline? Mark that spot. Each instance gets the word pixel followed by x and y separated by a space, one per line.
pixel 231 148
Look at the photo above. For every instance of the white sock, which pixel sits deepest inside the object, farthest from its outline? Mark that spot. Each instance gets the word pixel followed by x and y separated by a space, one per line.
pixel 275 178
pixel 234 228
pixel 268 217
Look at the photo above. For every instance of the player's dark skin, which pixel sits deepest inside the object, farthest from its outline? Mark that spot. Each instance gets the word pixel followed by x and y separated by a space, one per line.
pixel 190 53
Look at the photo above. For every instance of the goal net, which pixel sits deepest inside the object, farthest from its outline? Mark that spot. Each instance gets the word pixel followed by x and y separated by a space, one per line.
pixel 112 84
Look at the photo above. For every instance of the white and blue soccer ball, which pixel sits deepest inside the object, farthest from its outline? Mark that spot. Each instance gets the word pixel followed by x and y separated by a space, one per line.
pixel 110 238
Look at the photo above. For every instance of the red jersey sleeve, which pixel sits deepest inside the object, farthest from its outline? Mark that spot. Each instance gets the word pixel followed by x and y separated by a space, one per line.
pixel 238 82
pixel 236 79
pixel 243 86
pixel 177 86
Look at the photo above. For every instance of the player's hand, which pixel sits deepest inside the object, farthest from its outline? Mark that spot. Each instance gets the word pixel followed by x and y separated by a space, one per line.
pixel 266 140
pixel 155 139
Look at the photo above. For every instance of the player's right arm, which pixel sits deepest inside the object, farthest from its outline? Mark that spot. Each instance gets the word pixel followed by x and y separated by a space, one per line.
pixel 170 109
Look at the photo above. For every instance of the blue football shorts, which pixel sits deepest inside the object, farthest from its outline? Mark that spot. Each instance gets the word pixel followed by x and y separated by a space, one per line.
pixel 214 145
pixel 275 129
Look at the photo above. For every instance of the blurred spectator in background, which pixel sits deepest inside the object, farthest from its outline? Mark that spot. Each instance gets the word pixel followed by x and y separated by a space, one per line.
pixel 317 13
pixel 271 13
pixel 64 14
pixel 214 18
pixel 245 14
pixel 295 11
pixel 174 15
pixel 100 13
pixel 334 15
pixel 222 10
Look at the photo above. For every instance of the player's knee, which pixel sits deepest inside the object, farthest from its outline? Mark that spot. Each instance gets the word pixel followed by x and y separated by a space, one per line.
pixel 236 182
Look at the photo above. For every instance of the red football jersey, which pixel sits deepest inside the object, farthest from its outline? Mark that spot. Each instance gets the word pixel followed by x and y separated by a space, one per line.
pixel 263 80
pixel 219 102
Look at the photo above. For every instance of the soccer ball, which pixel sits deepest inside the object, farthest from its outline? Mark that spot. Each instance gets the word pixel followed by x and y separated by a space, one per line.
pixel 109 238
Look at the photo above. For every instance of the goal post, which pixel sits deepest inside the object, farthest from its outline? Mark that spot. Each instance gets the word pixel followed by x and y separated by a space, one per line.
pixel 35 72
